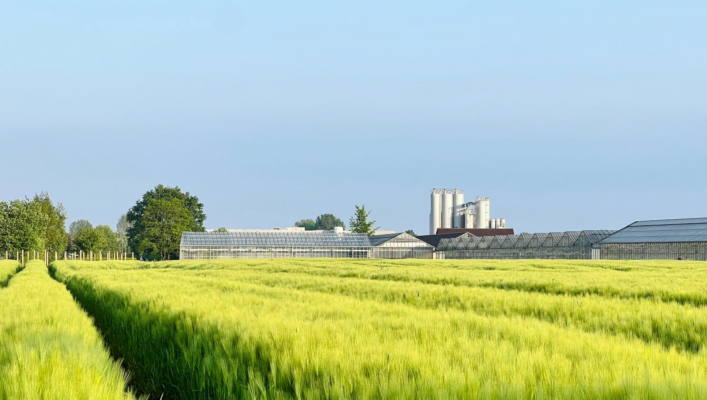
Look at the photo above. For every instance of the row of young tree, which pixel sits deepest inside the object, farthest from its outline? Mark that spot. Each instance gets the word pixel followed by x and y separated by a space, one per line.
pixel 152 228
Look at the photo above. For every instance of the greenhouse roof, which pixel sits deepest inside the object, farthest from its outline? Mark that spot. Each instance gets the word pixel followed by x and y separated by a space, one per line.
pixel 661 231
pixel 524 240
pixel 399 239
pixel 435 239
pixel 276 238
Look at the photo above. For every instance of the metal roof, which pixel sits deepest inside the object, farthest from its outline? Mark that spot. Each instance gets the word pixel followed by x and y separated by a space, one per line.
pixel 661 231
pixel 276 238
pixel 435 239
pixel 476 232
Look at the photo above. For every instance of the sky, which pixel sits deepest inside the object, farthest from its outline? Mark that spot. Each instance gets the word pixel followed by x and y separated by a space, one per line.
pixel 568 115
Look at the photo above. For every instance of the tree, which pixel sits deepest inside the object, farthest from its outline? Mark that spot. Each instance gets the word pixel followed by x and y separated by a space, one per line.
pixel 110 239
pixel 136 215
pixel 55 238
pixel 359 222
pixel 89 240
pixel 121 229
pixel 328 222
pixel 307 224
pixel 23 226
pixel 410 232
pixel 77 226
pixel 222 230
pixel 163 221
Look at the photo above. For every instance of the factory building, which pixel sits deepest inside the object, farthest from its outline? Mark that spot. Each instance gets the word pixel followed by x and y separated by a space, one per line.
pixel 300 244
pixel 669 239
pixel 448 209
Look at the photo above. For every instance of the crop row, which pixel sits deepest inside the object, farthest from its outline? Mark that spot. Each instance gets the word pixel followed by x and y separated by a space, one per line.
pixel 679 282
pixel 49 348
pixel 8 268
pixel 194 331
pixel 669 324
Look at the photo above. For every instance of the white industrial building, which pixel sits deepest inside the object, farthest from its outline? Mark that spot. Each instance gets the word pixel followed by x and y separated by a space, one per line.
pixel 448 209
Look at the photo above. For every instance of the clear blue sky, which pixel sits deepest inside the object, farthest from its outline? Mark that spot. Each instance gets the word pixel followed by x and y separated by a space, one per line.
pixel 569 115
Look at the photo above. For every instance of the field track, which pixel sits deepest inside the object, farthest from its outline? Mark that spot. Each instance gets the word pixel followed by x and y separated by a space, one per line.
pixel 402 329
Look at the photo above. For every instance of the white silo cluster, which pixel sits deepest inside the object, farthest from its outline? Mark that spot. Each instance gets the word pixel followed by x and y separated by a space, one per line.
pixel 448 210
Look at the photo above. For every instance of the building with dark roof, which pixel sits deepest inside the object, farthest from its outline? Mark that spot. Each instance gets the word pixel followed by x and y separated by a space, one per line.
pixel 669 239
pixel 477 231
pixel 434 239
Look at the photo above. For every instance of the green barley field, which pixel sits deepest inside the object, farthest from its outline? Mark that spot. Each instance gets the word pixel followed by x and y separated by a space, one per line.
pixel 49 348
pixel 391 329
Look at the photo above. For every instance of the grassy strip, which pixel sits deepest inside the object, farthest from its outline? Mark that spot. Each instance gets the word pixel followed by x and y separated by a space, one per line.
pixel 211 338
pixel 8 268
pixel 49 348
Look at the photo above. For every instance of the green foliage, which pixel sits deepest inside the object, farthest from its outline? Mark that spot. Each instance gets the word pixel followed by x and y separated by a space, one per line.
pixel 8 268
pixel 23 226
pixel 163 222
pixel 100 239
pixel 150 242
pixel 328 222
pixel 90 240
pixel 110 239
pixel 49 348
pixel 55 238
pixel 78 226
pixel 121 229
pixel 359 222
pixel 222 230
pixel 346 329
pixel 307 224
pixel 410 232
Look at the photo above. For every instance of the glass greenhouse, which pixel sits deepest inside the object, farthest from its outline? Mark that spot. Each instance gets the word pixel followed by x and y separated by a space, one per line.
pixel 671 239
pixel 400 245
pixel 554 245
pixel 275 244
pixel 300 244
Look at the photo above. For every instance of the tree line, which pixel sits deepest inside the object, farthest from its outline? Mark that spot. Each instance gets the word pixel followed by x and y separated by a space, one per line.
pixel 151 229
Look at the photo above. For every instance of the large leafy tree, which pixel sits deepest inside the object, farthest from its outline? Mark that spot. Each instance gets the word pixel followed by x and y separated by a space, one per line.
pixel 55 238
pixel 23 226
pixel 359 222
pixel 110 238
pixel 328 222
pixel 163 220
pixel 136 215
pixel 307 224
pixel 89 240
